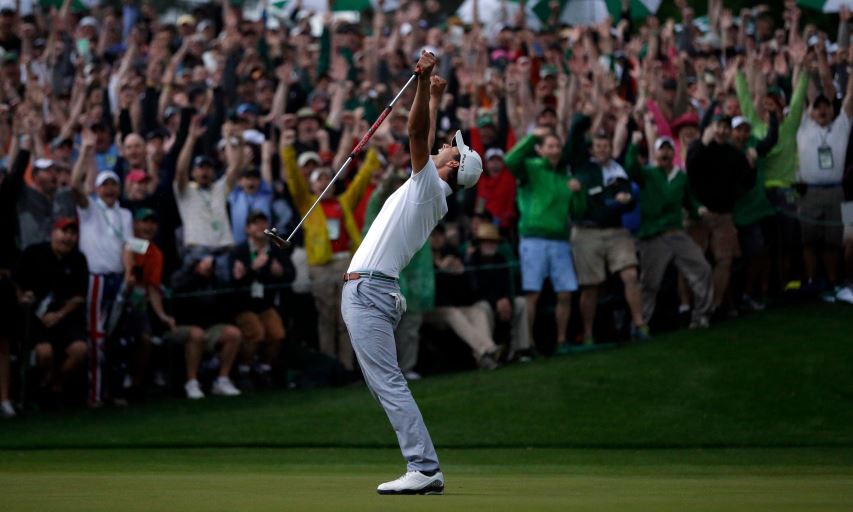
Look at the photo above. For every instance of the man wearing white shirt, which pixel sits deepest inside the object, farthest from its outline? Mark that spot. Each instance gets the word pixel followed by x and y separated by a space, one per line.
pixel 371 302
pixel 822 144
pixel 105 228
pixel 202 202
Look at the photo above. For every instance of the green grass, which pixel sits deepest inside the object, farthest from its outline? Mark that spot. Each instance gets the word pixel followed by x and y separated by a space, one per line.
pixel 753 415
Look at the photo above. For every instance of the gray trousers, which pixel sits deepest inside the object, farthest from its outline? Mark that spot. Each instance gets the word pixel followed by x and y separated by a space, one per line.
pixel 408 336
pixel 655 255
pixel 372 309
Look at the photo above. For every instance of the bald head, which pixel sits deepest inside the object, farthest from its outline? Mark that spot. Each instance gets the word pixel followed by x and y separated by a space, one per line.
pixel 133 150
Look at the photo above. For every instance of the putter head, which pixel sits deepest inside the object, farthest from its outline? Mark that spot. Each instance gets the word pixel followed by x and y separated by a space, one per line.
pixel 275 238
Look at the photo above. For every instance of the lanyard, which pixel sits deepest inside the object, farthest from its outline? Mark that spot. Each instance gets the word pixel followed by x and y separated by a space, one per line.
pixel 117 232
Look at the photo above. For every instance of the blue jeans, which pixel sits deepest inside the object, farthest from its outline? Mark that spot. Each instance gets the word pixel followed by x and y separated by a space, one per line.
pixel 541 258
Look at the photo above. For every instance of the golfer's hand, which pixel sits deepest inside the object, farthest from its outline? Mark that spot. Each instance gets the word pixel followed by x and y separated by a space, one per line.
pixel 436 87
pixel 426 63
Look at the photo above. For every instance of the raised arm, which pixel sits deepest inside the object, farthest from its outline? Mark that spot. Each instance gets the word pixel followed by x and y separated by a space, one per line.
pixel 182 169
pixel 419 115
pixel 83 168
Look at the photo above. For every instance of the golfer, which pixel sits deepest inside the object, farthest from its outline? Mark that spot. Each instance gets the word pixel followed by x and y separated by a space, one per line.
pixel 371 302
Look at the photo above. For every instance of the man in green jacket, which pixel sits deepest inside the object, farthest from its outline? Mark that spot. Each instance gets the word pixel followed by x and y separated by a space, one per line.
pixel 546 197
pixel 663 195
pixel 600 243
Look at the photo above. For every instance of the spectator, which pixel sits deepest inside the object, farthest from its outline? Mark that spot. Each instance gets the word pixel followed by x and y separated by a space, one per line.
pixel 253 193
pixel 822 140
pixel 546 198
pixel 104 230
pixel 496 190
pixel 259 267
pixel 718 174
pixel 753 215
pixel 52 279
pixel 455 306
pixel 493 284
pixel 599 242
pixel 663 194
pixel 331 237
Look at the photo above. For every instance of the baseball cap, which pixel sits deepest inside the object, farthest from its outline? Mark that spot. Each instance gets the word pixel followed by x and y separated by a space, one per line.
pixel 8 7
pixel 659 143
pixel 43 163
pixel 169 112
pixel 739 120
pixel 65 223
pixel 137 176
pixel 103 176
pixel 186 19
pixel 145 214
pixel 494 153
pixel 308 156
pixel 485 120
pixel 157 133
pixel 306 113
pixel 203 161
pixel 470 163
pixel 254 137
pixel 89 21
pixel 316 173
pixel 721 118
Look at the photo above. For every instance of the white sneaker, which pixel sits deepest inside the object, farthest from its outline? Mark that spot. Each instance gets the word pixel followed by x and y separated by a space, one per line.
pixel 193 390
pixel 6 409
pixel 845 295
pixel 412 375
pixel 224 387
pixel 414 482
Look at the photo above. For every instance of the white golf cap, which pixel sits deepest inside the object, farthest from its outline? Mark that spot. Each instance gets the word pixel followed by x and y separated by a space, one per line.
pixel 470 163
pixel 664 140
pixel 89 21
pixel 103 176
pixel 308 156
pixel 739 120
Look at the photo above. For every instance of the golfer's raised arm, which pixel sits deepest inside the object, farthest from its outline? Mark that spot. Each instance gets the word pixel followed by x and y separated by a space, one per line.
pixel 419 115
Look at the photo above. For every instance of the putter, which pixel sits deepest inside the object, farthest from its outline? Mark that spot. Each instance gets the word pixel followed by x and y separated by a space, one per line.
pixel 284 243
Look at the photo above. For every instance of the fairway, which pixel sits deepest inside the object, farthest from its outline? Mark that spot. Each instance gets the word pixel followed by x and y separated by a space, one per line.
pixel 753 415
pixel 497 480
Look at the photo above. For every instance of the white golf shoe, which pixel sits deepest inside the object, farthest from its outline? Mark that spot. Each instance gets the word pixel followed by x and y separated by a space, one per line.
pixel 414 482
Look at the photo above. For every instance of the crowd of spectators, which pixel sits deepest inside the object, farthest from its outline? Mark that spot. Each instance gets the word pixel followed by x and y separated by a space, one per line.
pixel 640 172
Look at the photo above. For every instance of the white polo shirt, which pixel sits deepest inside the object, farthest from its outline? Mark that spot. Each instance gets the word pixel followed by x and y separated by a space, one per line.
pixel 403 225
pixel 103 232
pixel 204 214
pixel 816 165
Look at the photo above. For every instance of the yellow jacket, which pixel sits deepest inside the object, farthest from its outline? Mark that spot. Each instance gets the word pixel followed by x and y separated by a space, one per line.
pixel 317 244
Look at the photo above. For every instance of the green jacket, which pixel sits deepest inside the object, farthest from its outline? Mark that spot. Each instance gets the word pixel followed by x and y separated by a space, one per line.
pixel 662 196
pixel 754 205
pixel 417 280
pixel 600 209
pixel 781 163
pixel 544 198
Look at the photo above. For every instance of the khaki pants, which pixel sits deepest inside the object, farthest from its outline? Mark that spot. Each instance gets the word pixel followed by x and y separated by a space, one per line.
pixel 519 329
pixel 468 322
pixel 655 255
pixel 326 286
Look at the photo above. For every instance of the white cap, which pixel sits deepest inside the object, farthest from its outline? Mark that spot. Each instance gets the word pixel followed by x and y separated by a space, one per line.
pixel 106 175
pixel 494 153
pixel 664 140
pixel 316 173
pixel 89 21
pixel 739 120
pixel 43 163
pixel 470 163
pixel 254 137
pixel 308 156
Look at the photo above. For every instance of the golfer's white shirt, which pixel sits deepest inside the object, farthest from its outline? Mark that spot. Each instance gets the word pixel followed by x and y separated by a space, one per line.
pixel 403 225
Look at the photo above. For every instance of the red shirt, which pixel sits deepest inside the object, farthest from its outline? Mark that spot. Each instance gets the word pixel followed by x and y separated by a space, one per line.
pixel 152 265
pixel 335 225
pixel 498 192
pixel 361 210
